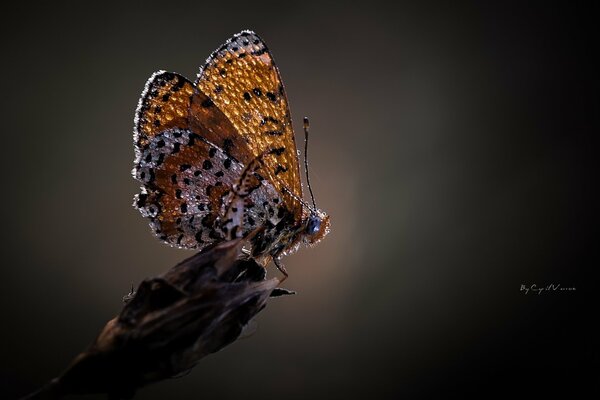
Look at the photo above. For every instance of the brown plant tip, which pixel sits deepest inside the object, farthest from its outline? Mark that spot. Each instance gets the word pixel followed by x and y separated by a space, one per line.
pixel 172 321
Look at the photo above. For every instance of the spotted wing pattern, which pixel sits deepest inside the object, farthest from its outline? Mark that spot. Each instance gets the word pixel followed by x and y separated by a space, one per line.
pixel 217 158
pixel 164 104
pixel 169 100
pixel 242 79
pixel 189 159
pixel 183 197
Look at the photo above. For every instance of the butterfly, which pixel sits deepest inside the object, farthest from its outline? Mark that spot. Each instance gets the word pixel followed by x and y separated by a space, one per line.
pixel 217 157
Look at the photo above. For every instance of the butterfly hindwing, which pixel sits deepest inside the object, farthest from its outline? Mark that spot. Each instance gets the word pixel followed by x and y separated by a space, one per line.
pixel 186 183
pixel 190 184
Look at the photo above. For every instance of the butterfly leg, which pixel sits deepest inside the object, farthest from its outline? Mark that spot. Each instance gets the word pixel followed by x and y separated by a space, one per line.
pixel 129 295
pixel 281 268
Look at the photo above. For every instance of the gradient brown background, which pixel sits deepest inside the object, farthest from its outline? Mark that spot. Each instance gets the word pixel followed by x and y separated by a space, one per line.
pixel 451 145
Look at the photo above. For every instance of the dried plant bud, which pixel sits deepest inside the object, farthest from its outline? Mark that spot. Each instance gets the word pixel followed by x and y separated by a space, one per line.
pixel 170 322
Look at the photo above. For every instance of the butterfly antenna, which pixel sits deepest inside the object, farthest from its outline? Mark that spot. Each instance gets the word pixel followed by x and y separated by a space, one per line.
pixel 306 126
pixel 305 204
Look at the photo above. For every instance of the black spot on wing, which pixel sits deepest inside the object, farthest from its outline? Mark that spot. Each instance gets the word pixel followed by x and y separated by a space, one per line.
pixel 227 145
pixel 280 169
pixel 278 151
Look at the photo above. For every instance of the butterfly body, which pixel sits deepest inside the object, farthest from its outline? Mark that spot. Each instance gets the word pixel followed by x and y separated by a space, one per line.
pixel 217 158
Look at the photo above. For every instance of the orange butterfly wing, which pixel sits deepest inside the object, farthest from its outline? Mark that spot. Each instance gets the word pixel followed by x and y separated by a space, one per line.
pixel 243 81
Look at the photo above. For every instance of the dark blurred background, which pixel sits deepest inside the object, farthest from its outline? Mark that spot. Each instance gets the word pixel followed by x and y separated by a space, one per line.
pixel 451 145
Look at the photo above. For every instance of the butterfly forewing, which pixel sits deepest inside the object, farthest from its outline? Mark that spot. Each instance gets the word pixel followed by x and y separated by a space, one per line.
pixel 164 104
pixel 243 81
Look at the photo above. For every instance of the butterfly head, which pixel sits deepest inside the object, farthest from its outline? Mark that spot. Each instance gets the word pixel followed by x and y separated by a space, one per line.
pixel 316 227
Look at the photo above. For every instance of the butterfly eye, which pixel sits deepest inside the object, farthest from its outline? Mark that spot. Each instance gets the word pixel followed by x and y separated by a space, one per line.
pixel 314 224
